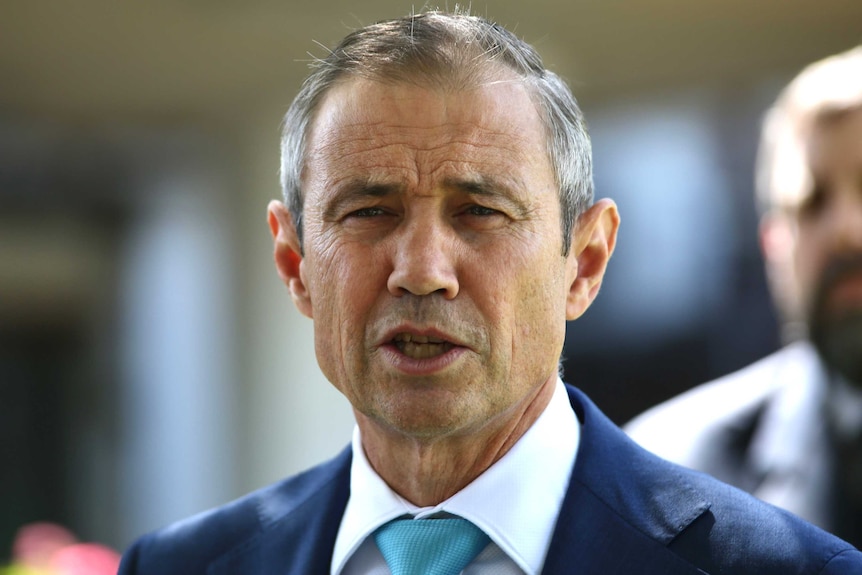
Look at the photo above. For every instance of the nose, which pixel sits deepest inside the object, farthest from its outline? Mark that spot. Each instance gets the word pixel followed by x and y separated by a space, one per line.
pixel 424 260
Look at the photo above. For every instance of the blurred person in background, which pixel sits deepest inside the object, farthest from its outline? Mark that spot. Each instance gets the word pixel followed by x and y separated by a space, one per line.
pixel 439 228
pixel 789 428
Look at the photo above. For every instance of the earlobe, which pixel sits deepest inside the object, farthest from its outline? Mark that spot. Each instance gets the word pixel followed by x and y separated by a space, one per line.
pixel 593 243
pixel 288 255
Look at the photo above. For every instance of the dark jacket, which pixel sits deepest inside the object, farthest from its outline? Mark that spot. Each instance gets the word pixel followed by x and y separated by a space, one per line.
pixel 626 511
pixel 764 429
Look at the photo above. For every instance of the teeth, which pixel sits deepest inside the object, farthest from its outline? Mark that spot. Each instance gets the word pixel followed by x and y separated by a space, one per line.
pixel 420 346
pixel 408 337
pixel 422 350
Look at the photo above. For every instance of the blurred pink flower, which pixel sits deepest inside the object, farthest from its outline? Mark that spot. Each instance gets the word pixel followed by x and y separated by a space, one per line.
pixel 85 559
pixel 36 543
pixel 49 549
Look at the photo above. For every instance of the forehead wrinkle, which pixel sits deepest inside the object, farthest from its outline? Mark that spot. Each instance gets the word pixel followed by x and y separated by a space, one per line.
pixel 336 157
pixel 352 125
pixel 488 145
pixel 478 151
pixel 424 158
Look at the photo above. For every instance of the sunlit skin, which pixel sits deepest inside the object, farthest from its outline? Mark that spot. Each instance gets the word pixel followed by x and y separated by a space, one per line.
pixel 434 273
pixel 828 222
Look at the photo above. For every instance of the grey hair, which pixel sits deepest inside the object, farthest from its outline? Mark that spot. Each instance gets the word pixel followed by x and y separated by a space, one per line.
pixel 828 87
pixel 455 50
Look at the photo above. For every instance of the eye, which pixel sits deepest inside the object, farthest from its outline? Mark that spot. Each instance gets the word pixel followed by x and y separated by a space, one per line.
pixel 368 219
pixel 477 217
pixel 476 210
pixel 366 213
pixel 815 202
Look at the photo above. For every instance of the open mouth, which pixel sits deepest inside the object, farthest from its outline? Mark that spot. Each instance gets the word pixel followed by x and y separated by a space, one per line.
pixel 420 346
pixel 842 295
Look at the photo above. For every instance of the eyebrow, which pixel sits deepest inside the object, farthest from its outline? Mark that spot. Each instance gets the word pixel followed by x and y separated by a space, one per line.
pixel 480 185
pixel 356 189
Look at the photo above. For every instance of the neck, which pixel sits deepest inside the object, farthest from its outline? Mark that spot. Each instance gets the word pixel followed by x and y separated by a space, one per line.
pixel 429 470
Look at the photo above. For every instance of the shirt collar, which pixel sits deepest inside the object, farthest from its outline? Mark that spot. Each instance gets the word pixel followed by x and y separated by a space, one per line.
pixel 531 478
pixel 845 407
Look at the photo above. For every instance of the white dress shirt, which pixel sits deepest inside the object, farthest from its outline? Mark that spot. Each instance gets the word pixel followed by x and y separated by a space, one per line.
pixel 515 501
pixel 845 406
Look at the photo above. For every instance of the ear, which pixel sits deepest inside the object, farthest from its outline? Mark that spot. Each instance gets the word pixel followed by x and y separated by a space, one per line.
pixel 288 255
pixel 778 242
pixel 776 237
pixel 593 242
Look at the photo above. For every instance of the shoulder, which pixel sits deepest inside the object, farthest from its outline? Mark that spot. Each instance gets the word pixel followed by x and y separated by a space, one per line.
pixel 719 413
pixel 191 545
pixel 708 523
pixel 738 533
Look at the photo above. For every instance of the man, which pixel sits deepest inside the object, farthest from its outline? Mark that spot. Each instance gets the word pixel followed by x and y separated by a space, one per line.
pixel 788 428
pixel 439 230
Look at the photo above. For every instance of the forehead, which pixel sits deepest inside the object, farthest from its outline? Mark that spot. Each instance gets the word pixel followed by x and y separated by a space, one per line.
pixel 401 127
pixel 820 146
pixel 836 141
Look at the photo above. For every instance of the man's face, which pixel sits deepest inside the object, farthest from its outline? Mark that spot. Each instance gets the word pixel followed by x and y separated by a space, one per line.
pixel 432 253
pixel 828 248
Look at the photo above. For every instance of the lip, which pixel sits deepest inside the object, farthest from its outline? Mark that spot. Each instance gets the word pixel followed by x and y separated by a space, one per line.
pixel 429 332
pixel 427 366
pixel 846 291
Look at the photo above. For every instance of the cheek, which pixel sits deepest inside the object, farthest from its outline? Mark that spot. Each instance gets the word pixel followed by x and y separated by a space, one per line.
pixel 542 316
pixel 335 274
pixel 327 290
pixel 809 259
pixel 526 296
pixel 344 292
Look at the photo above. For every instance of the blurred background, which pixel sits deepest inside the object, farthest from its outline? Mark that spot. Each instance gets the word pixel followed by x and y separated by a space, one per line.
pixel 152 364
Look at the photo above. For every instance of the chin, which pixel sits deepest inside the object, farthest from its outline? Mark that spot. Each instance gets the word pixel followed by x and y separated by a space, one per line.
pixel 839 342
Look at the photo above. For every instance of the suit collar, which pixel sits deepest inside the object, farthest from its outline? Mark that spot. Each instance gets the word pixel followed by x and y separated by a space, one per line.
pixel 790 427
pixel 619 515
pixel 617 518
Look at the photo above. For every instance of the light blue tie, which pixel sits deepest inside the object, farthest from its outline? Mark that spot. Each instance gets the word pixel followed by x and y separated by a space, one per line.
pixel 429 546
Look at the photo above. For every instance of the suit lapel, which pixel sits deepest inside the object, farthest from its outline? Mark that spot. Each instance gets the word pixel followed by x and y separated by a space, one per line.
pixel 300 525
pixel 790 454
pixel 619 516
pixel 590 539
pixel 615 520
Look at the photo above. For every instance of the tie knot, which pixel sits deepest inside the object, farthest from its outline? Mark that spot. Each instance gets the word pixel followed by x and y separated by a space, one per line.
pixel 429 546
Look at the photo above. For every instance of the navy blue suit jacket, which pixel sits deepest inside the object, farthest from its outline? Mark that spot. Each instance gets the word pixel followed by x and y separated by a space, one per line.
pixel 626 512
